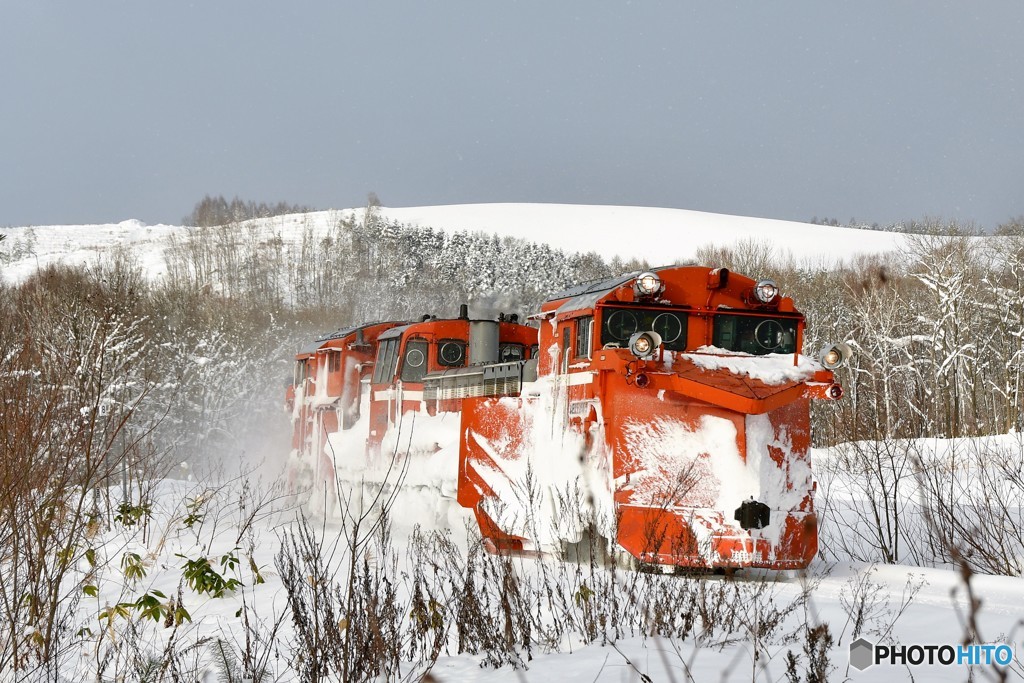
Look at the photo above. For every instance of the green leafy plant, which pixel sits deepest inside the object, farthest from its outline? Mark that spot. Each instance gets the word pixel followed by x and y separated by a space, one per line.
pixel 66 555
pixel 203 578
pixel 130 515
pixel 195 514
pixel 583 595
pixel 121 609
pixel 132 567
pixel 150 605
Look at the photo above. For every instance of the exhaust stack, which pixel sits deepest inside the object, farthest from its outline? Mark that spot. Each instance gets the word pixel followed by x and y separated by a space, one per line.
pixel 483 341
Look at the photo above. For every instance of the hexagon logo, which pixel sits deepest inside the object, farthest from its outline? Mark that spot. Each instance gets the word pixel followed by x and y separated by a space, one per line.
pixel 862 654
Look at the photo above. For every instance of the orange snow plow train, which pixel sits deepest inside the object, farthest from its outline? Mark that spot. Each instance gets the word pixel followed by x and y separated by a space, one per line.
pixel 669 409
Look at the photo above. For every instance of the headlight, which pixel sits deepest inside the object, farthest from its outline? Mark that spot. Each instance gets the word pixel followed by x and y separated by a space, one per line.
pixel 644 344
pixel 765 291
pixel 834 356
pixel 648 284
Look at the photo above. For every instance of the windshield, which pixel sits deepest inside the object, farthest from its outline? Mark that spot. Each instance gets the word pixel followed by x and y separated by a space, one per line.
pixel 619 324
pixel 451 353
pixel 508 352
pixel 414 365
pixel 755 334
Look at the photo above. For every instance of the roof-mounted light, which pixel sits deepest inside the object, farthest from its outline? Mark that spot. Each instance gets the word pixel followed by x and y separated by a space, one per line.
pixel 644 344
pixel 835 356
pixel 648 284
pixel 765 291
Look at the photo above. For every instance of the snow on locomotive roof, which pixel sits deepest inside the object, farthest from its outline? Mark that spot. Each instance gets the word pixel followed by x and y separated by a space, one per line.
pixel 587 294
pixel 345 331
pixel 310 348
pixel 314 346
pixel 393 332
pixel 602 285
pixel 593 287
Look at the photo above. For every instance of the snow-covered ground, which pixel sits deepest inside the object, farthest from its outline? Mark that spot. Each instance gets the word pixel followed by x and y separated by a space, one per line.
pixel 899 604
pixel 661 236
pixel 935 613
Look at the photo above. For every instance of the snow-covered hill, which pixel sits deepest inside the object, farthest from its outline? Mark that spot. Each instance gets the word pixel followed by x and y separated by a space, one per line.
pixel 660 236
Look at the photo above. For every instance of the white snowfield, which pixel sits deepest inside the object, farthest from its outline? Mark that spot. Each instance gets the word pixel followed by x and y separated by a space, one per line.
pixel 903 605
pixel 660 236
pixel 930 612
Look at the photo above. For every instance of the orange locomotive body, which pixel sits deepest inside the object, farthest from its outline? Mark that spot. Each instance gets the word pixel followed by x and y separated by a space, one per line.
pixel 408 354
pixel 666 412
pixel 353 390
pixel 683 398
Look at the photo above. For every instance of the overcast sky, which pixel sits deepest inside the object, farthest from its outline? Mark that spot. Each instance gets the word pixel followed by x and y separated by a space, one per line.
pixel 882 110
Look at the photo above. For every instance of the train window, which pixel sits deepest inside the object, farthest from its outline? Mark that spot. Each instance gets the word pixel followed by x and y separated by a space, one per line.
pixel 387 359
pixel 583 329
pixel 755 334
pixel 509 352
pixel 451 353
pixel 566 332
pixel 392 362
pixel 534 350
pixel 670 327
pixel 414 363
pixel 378 367
pixel 619 324
pixel 378 364
pixel 334 361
